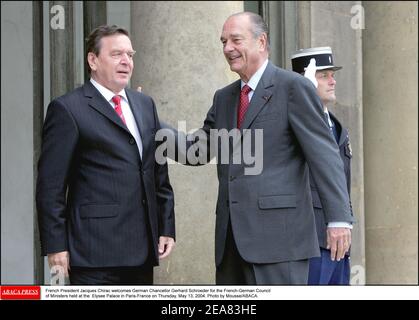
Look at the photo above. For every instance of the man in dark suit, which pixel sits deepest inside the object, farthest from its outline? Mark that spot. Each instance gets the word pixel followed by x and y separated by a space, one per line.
pixel 265 230
pixel 317 65
pixel 106 208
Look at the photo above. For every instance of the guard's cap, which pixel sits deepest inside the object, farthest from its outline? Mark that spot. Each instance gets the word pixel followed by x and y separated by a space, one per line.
pixel 323 55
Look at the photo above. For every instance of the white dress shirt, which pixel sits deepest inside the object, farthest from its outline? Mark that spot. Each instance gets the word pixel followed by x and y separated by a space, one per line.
pixel 126 110
pixel 254 80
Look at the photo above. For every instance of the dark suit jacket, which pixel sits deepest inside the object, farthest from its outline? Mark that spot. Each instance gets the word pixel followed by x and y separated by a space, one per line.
pixel 96 197
pixel 346 156
pixel 272 213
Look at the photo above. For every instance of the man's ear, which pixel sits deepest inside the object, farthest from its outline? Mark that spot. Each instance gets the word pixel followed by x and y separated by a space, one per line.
pixel 264 41
pixel 91 60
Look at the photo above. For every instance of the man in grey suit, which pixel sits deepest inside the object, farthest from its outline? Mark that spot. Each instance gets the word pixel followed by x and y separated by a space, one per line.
pixel 265 229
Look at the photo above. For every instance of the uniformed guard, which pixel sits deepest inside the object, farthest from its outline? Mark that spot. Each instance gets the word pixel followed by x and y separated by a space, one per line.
pixel 317 65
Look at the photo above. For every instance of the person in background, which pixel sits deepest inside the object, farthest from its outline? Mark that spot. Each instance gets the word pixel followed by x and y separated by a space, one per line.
pixel 317 65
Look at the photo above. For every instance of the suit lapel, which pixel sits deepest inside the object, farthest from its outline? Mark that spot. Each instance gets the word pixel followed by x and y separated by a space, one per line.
pixel 138 113
pixel 343 133
pixel 260 97
pixel 232 105
pixel 99 103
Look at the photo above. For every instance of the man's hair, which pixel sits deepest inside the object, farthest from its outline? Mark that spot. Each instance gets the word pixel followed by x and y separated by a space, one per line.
pixel 93 40
pixel 259 26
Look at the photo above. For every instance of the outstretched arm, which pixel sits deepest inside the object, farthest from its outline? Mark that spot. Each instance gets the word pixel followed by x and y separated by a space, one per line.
pixel 189 149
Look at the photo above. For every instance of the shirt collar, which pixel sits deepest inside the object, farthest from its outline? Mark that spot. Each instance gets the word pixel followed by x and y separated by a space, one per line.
pixel 329 120
pixel 106 93
pixel 254 80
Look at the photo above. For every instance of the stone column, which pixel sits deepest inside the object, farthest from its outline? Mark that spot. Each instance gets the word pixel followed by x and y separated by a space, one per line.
pixel 94 13
pixel 38 120
pixel 390 51
pixel 17 144
pixel 179 62
pixel 328 23
pixel 61 51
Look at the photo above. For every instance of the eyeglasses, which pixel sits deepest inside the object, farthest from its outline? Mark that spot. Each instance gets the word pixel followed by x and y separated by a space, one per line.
pixel 117 55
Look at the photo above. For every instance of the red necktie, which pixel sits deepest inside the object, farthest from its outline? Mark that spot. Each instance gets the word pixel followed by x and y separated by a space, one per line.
pixel 243 104
pixel 118 108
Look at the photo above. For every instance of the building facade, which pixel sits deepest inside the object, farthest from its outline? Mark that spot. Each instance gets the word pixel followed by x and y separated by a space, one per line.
pixel 179 62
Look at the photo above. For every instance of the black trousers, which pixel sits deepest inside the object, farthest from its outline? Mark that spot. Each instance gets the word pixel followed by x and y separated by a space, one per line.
pixel 137 275
pixel 142 275
pixel 234 270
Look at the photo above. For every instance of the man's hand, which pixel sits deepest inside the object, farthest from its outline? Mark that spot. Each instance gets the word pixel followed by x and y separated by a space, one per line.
pixel 166 245
pixel 310 72
pixel 339 242
pixel 60 259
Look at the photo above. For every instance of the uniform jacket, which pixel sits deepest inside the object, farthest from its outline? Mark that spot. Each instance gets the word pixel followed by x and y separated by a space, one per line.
pixel 346 156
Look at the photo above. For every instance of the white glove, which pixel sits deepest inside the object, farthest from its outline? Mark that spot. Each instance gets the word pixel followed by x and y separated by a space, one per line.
pixel 310 72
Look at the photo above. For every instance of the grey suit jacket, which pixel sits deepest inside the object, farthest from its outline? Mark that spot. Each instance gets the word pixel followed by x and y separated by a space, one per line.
pixel 271 213
pixel 346 156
